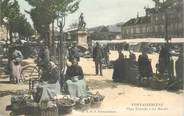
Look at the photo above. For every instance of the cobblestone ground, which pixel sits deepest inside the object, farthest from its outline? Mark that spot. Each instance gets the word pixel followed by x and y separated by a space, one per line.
pixel 120 99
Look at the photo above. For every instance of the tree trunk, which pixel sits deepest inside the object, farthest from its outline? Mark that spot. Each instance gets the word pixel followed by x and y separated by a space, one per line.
pixel 53 40
pixel 11 36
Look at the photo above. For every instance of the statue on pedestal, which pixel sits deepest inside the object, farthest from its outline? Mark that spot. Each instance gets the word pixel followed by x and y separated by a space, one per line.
pixel 82 23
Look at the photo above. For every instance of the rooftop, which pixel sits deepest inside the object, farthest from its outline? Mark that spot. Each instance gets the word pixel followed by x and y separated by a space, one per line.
pixel 138 20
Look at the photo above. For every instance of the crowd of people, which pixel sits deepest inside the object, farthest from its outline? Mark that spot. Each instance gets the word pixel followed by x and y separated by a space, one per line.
pixel 140 71
pixel 53 80
pixel 124 69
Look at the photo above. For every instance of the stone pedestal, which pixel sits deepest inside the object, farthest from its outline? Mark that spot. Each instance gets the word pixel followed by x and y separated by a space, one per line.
pixel 82 39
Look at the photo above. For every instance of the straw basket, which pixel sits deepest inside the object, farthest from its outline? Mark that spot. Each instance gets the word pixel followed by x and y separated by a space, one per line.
pixel 32 108
pixel 83 103
pixel 96 100
pixel 159 84
pixel 51 111
pixel 65 105
pixel 144 81
pixel 96 104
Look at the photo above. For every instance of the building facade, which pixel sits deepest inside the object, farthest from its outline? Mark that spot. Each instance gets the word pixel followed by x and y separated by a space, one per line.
pixel 165 19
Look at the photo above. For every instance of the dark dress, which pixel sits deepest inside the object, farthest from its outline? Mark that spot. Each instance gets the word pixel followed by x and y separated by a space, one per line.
pixel 74 70
pixel 51 76
pixel 132 70
pixel 145 68
pixel 179 69
pixel 164 59
pixel 75 87
pixel 119 73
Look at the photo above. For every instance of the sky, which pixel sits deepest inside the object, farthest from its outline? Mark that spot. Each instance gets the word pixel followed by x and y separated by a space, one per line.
pixel 102 12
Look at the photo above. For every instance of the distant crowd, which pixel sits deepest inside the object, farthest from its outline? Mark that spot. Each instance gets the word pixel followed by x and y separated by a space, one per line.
pixel 124 69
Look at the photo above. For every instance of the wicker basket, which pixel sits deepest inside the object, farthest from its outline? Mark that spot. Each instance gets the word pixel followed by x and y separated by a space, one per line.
pixel 96 100
pixel 96 104
pixel 144 81
pixel 159 84
pixel 65 105
pixel 32 108
pixel 83 104
pixel 53 111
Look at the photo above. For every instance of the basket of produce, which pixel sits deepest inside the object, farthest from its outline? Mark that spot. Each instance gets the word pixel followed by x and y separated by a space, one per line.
pixel 50 111
pixel 18 103
pixel 158 84
pixel 65 105
pixel 83 103
pixel 145 81
pixel 32 108
pixel 96 100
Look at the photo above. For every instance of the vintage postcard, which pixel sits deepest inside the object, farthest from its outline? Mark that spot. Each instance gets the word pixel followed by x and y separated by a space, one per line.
pixel 91 57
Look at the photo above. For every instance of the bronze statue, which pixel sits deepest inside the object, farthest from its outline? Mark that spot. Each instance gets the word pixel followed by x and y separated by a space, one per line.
pixel 82 23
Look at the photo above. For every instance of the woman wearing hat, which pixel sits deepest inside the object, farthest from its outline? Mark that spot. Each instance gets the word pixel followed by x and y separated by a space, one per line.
pixel 75 84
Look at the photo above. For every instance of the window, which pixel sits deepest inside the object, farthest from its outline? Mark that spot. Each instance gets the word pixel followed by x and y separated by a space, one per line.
pixel 156 28
pixel 156 18
pixel 143 29
pixel 137 30
pixel 132 30
pixel 127 31
pixel 162 28
pixel 163 17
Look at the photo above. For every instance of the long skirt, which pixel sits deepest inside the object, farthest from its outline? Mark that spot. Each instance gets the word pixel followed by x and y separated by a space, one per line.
pixel 49 91
pixel 15 75
pixel 77 89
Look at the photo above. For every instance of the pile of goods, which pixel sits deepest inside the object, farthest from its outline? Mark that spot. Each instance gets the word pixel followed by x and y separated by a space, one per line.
pixel 19 102
pixel 24 104
pixel 91 101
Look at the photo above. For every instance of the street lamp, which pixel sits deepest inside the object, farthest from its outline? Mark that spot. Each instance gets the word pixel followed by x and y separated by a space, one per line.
pixel 61 24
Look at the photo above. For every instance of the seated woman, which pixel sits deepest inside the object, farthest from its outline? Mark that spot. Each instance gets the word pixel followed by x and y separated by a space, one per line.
pixel 48 86
pixel 75 84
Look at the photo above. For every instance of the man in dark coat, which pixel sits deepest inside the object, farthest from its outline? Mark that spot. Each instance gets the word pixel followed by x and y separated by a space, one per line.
pixel 119 73
pixel 97 58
